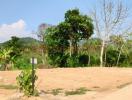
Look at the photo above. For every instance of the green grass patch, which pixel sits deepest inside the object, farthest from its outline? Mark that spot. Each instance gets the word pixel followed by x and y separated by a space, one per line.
pixel 8 86
pixel 78 91
pixel 57 91
pixel 54 91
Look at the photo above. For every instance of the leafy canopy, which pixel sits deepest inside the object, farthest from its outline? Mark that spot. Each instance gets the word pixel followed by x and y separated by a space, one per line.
pixel 74 28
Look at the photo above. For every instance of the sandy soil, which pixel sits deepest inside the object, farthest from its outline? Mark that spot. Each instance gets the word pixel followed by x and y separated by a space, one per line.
pixel 104 83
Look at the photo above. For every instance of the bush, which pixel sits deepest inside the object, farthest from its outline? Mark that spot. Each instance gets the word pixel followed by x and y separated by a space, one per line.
pixel 72 61
pixel 78 91
pixel 129 61
pixel 112 56
pixel 22 63
pixel 2 67
pixel 24 82
pixel 83 60
pixel 57 59
pixel 94 60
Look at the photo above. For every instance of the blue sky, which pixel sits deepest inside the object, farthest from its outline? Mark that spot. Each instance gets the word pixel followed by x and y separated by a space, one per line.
pixel 28 14
pixel 34 12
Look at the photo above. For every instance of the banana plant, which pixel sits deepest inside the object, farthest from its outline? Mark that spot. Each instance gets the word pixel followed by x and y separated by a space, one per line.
pixel 5 57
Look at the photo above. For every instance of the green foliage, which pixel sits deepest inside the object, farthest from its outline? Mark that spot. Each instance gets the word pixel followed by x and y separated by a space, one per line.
pixel 24 82
pixel 16 47
pixel 94 60
pixel 11 51
pixel 22 50
pixel 56 91
pixel 67 44
pixel 5 57
pixel 91 48
pixel 21 43
pixel 130 58
pixel 83 60
pixel 127 61
pixel 56 47
pixel 28 42
pixel 72 61
pixel 112 56
pixel 78 91
pixel 22 63
pixel 75 28
pixel 79 27
pixel 57 59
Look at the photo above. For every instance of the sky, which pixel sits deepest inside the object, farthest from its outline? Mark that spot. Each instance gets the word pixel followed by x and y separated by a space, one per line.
pixel 22 17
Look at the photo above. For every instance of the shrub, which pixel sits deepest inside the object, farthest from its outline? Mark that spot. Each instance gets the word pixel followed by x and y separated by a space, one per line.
pixel 78 91
pixel 2 66
pixel 57 59
pixel 24 82
pixel 72 61
pixel 94 60
pixel 22 63
pixel 83 60
pixel 129 60
pixel 112 56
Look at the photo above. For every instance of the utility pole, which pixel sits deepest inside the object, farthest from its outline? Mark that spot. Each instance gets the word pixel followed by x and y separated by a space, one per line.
pixel 32 75
pixel 33 62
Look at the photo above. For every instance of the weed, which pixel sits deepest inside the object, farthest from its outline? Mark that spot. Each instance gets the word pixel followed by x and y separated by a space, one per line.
pixel 78 91
pixel 56 91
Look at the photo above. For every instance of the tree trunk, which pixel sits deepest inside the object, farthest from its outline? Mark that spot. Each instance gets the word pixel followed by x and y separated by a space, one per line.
pixel 105 58
pixel 89 60
pixel 119 56
pixel 101 54
pixel 75 48
pixel 70 52
pixel 43 59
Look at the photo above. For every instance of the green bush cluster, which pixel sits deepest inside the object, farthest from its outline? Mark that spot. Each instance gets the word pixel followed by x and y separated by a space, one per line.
pixel 68 44
pixel 80 60
pixel 24 82
pixel 22 63
pixel 72 61
pixel 112 56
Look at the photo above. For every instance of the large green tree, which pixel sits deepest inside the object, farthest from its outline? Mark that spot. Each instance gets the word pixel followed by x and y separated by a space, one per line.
pixel 78 27
pixel 56 45
pixel 67 35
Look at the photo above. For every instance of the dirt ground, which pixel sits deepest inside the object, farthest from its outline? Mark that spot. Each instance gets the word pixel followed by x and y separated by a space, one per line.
pixel 103 83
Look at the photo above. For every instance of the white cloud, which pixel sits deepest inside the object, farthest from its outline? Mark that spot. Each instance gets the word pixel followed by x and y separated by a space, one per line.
pixel 14 29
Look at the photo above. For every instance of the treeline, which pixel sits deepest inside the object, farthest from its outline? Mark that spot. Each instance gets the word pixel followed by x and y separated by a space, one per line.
pixel 68 44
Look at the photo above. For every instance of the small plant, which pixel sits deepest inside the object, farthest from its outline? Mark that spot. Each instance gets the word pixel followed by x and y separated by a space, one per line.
pixel 78 91
pixel 56 91
pixel 24 81
pixel 72 61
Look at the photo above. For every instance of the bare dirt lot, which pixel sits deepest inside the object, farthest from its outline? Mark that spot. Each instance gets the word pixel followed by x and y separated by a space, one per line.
pixel 101 83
